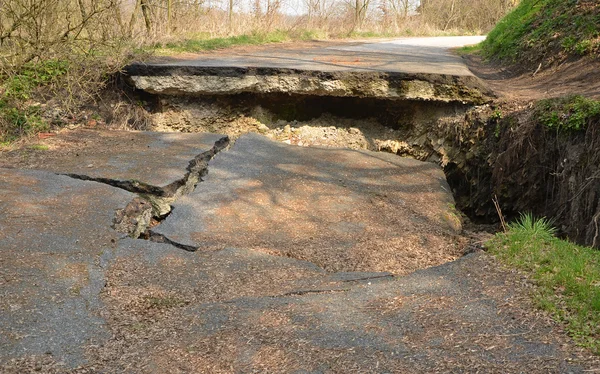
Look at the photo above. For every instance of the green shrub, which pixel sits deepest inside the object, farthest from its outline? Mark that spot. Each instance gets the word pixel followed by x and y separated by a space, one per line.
pixel 567 113
pixel 21 84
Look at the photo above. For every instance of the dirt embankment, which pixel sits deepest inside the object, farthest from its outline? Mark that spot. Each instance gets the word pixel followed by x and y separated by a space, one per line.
pixel 533 167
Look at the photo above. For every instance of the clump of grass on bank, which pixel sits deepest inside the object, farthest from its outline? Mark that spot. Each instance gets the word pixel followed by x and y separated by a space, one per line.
pixel 567 275
pixel 549 30
pixel 469 50
pixel 570 113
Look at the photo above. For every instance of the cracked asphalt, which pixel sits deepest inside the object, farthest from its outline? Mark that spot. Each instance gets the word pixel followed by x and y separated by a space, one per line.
pixel 308 260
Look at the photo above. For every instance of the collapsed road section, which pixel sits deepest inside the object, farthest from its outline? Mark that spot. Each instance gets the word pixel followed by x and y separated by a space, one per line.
pixel 384 70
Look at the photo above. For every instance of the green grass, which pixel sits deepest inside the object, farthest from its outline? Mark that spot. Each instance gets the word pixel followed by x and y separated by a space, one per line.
pixel 22 83
pixel 19 121
pixel 469 50
pixel 199 43
pixel 570 113
pixel 538 29
pixel 567 275
pixel 39 147
pixel 17 116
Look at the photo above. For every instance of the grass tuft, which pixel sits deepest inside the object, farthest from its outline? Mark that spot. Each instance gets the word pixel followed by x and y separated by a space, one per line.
pixel 567 275
pixel 17 116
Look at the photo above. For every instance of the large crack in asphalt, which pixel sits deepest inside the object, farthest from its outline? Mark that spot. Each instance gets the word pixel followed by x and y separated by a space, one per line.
pixel 153 203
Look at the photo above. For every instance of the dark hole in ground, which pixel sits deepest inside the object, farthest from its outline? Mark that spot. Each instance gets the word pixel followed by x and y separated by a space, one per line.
pixel 395 114
pixel 424 130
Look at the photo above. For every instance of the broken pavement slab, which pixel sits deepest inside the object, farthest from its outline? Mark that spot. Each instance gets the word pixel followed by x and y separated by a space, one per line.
pixel 145 162
pixel 76 292
pixel 341 209
pixel 55 237
pixel 402 69
pixel 157 166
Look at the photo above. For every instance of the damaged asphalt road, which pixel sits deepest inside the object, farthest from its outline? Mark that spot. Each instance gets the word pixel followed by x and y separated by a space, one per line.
pixel 300 264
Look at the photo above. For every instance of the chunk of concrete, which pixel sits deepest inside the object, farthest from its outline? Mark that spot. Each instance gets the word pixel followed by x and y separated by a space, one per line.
pixel 402 69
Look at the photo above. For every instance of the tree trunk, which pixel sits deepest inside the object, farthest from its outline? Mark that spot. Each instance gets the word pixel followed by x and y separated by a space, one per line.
pixel 357 15
pixel 451 16
pixel 133 17
pixel 119 18
pixel 146 13
pixel 82 10
pixel 230 16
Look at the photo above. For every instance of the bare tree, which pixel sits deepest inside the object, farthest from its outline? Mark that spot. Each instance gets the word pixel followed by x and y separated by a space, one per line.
pixel 359 9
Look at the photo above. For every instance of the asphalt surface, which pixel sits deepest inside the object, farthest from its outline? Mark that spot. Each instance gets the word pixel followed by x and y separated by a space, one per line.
pixel 344 210
pixel 293 281
pixel 404 55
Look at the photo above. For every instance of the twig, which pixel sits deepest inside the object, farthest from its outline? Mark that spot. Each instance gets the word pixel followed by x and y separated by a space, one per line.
pixel 538 69
pixel 499 211
pixel 597 230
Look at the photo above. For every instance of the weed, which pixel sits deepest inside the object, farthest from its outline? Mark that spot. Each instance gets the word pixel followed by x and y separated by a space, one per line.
pixel 570 113
pixel 164 302
pixel 15 122
pixel 497 114
pixel 496 117
pixel 469 50
pixel 21 84
pixel 583 47
pixel 17 117
pixel 567 275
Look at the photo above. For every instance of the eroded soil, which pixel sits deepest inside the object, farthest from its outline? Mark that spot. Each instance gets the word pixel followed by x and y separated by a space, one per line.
pixel 580 77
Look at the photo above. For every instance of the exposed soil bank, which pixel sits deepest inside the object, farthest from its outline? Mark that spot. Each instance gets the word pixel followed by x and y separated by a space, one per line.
pixel 529 167
pixel 549 172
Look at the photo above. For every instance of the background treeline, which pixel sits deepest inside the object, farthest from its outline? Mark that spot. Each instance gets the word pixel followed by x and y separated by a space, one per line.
pixel 61 53
pixel 41 29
